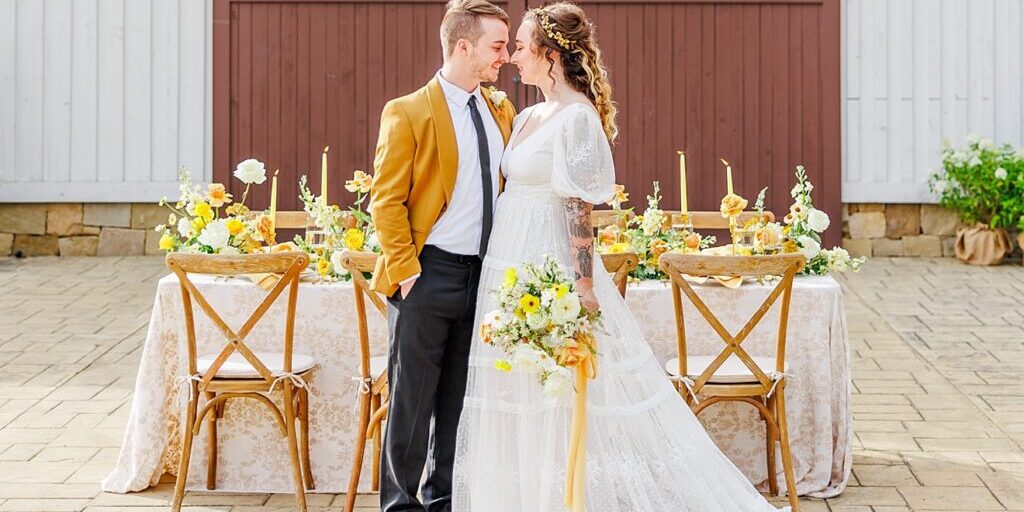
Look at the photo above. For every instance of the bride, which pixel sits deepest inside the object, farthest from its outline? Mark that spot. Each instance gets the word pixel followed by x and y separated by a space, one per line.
pixel 645 450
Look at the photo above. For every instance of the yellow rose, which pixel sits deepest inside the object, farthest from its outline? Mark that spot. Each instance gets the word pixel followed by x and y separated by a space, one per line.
pixel 619 248
pixel 732 205
pixel 511 277
pixel 354 239
pixel 167 242
pixel 323 266
pixel 203 209
pixel 529 304
pixel 218 196
pixel 560 290
pixel 234 225
pixel 502 365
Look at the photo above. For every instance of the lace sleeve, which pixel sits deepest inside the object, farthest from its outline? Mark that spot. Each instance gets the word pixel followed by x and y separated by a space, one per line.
pixel 582 159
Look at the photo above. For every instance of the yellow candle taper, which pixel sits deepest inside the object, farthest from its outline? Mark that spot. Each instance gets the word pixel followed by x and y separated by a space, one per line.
pixel 273 199
pixel 728 175
pixel 682 182
pixel 323 175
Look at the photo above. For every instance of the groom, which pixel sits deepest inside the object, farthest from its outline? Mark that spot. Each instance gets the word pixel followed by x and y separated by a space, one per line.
pixel 434 190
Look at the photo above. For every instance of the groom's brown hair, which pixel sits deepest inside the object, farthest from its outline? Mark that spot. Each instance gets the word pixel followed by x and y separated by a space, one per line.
pixel 462 21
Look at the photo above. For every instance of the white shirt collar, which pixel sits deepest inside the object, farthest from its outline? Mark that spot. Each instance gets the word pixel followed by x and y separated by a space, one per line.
pixel 456 94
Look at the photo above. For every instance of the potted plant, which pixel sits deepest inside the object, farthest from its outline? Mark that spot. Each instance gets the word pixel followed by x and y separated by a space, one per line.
pixel 984 184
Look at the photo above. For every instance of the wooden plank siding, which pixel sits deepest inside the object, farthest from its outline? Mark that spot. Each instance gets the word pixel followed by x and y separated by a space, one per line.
pixel 755 82
pixel 102 100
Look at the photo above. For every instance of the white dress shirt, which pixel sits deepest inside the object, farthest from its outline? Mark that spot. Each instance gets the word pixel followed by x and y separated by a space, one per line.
pixel 458 229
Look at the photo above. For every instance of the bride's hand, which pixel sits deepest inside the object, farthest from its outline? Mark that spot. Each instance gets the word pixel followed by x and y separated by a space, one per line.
pixel 587 297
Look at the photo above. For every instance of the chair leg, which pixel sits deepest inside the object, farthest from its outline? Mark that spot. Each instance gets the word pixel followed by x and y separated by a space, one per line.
pixel 377 433
pixel 360 448
pixel 293 447
pixel 211 452
pixel 307 471
pixel 769 434
pixel 787 460
pixel 186 452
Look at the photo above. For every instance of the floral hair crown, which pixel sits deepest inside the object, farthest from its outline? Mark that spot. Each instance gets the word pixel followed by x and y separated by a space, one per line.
pixel 550 30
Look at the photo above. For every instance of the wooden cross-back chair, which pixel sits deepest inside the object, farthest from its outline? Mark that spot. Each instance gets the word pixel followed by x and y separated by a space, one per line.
pixel 619 265
pixel 701 220
pixel 373 377
pixel 735 375
pixel 238 371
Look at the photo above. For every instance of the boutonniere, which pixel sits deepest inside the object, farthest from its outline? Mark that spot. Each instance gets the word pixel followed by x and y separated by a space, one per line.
pixel 497 97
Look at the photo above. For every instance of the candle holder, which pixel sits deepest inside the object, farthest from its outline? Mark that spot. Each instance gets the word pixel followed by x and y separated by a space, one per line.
pixel 315 237
pixel 682 223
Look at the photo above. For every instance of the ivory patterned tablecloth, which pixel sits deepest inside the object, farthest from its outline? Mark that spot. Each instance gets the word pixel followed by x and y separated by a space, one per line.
pixel 253 457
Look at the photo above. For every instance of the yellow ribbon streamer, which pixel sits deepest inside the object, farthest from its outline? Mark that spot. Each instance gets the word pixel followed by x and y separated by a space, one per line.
pixel 586 369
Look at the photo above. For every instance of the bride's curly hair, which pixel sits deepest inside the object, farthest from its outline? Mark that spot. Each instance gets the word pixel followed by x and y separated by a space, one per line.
pixel 565 28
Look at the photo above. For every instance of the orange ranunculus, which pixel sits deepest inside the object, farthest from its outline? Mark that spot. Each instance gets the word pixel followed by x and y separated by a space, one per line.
pixel 732 205
pixel 692 241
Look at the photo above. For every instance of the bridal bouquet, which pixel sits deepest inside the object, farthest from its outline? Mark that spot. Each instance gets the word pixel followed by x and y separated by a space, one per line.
pixel 543 329
pixel 541 326
pixel 804 225
pixel 209 222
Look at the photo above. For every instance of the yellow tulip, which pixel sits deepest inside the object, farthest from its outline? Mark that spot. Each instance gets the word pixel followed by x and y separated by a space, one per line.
pixel 234 225
pixel 203 209
pixel 167 243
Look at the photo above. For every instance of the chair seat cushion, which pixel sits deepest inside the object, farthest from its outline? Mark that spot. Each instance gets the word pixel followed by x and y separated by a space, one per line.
pixel 378 365
pixel 732 371
pixel 238 367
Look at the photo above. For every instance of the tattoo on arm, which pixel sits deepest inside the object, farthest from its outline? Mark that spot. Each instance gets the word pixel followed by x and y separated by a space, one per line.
pixel 581 236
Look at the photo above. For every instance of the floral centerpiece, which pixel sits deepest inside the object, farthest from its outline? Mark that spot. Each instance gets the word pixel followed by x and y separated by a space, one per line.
pixel 804 226
pixel 984 184
pixel 343 229
pixel 209 222
pixel 649 236
pixel 543 330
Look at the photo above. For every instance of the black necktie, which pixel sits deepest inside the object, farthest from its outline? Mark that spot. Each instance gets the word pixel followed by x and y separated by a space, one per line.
pixel 485 175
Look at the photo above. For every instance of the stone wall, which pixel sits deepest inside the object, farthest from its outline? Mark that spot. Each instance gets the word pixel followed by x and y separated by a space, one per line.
pixel 75 229
pixel 119 229
pixel 918 230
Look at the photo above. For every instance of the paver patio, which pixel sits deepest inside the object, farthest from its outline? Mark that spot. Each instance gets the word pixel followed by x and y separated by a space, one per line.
pixel 938 358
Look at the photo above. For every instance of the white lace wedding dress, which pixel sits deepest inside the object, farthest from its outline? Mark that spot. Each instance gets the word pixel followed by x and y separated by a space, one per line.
pixel 645 451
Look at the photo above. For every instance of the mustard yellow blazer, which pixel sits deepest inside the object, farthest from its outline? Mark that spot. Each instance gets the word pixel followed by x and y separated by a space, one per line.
pixel 415 168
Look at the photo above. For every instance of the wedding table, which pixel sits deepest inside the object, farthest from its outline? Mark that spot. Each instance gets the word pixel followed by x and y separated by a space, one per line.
pixel 252 455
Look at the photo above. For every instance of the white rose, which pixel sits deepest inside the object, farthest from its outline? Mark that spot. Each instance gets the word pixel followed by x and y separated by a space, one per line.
pixel 339 269
pixel 185 228
pixel 527 358
pixel 565 309
pixel 251 171
pixel 536 321
pixel 558 381
pixel 809 247
pixel 1000 174
pixel 498 96
pixel 817 220
pixel 215 235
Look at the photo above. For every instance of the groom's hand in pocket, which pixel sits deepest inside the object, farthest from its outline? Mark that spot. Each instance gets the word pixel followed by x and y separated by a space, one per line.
pixel 407 287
